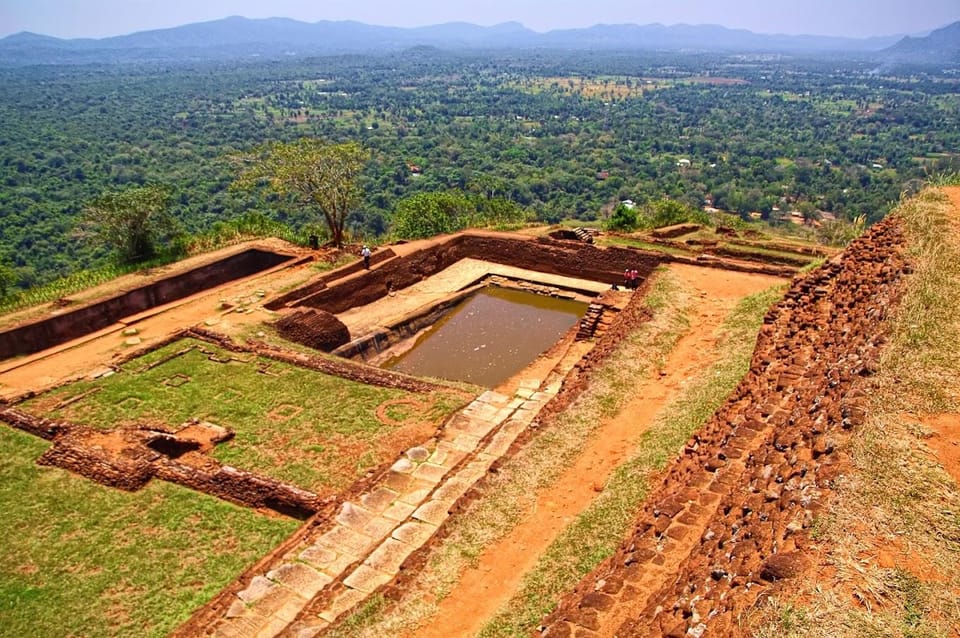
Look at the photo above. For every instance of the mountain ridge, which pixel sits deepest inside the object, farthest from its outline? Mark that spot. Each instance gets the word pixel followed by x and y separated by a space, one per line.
pixel 237 36
pixel 940 46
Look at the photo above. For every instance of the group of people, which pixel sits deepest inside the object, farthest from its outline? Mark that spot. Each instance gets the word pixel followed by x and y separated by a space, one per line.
pixel 631 279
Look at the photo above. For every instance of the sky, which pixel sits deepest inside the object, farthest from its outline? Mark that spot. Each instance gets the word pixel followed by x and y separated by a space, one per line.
pixel 852 18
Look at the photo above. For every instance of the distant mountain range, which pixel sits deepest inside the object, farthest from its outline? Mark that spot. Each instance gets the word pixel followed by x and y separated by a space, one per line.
pixel 237 37
pixel 940 47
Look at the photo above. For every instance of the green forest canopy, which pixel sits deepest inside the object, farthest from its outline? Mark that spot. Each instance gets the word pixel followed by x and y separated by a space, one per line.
pixel 560 136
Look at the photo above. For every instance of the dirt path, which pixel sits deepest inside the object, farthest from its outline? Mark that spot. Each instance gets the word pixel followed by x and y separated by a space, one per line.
pixel 482 590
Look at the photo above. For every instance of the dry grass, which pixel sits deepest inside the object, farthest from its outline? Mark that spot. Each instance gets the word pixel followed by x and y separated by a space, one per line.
pixel 899 501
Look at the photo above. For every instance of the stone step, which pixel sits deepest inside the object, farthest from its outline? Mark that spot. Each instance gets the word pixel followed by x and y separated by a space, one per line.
pixel 372 536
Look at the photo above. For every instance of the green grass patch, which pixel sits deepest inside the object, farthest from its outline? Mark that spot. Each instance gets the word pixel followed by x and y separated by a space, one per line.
pixel 80 559
pixel 293 424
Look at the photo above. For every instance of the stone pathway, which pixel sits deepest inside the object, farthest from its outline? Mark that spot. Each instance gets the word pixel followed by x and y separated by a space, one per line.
pixel 373 535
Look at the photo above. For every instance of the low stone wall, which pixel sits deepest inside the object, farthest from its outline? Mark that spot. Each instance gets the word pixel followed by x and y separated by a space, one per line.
pixel 677 230
pixel 338 367
pixel 72 324
pixel 124 459
pixel 734 510
pixel 239 486
pixel 77 450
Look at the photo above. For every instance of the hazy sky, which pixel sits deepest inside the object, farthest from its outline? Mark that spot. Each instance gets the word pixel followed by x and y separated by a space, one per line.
pixel 855 18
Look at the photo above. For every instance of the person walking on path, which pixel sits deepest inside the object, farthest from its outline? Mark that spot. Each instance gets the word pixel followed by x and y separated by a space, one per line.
pixel 365 253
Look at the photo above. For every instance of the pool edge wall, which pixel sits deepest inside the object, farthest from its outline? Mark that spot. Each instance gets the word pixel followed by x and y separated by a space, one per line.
pixel 556 257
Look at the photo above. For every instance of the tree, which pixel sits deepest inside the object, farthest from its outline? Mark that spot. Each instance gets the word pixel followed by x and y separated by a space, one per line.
pixel 666 212
pixel 318 174
pixel 131 221
pixel 8 277
pixel 624 218
pixel 428 214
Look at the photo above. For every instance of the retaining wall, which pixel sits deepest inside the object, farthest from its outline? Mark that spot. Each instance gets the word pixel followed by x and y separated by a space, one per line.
pixel 123 459
pixel 733 513
pixel 53 331
pixel 544 254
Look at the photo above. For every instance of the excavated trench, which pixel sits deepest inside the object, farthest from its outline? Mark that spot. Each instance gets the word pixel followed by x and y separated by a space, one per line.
pixel 53 331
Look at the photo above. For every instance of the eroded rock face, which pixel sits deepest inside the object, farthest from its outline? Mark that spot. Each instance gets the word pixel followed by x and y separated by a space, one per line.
pixel 315 328
pixel 733 513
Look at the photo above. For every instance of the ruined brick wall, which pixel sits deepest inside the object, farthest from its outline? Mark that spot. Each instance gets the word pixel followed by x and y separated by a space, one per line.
pixel 239 486
pixel 75 452
pixel 677 230
pixel 291 298
pixel 733 512
pixel 317 329
pixel 338 367
pixel 43 428
pixel 543 254
pixel 122 458
pixel 46 333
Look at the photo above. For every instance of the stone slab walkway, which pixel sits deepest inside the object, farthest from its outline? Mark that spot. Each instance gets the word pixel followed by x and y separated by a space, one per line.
pixel 372 535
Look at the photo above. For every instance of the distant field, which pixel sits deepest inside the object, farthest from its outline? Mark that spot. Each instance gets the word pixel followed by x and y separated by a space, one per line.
pixel 80 559
pixel 293 424
pixel 606 88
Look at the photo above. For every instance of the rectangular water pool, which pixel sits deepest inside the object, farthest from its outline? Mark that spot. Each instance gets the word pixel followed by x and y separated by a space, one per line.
pixel 491 336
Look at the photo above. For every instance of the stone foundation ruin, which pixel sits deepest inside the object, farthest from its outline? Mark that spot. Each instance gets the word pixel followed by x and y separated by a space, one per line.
pixel 733 514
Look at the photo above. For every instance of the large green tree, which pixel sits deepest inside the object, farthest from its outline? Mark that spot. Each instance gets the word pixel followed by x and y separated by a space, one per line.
pixel 320 175
pixel 428 214
pixel 131 221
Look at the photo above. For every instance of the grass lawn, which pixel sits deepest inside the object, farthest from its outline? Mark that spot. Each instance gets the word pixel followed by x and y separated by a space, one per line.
pixel 80 559
pixel 311 429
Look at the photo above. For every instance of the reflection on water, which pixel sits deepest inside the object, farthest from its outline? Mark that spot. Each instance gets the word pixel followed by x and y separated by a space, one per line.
pixel 490 337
